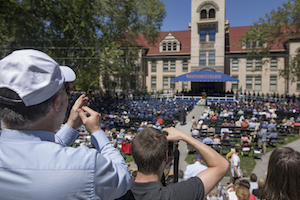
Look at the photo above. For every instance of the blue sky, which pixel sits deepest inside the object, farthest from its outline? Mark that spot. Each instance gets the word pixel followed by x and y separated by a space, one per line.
pixel 238 12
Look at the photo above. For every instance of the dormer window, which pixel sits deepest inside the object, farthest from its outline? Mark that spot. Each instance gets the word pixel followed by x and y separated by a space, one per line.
pixel 169 44
pixel 169 47
pixel 164 47
pixel 212 13
pixel 203 14
pixel 174 46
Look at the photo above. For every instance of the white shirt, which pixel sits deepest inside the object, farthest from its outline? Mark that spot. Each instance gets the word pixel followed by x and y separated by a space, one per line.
pixel 194 169
pixel 235 161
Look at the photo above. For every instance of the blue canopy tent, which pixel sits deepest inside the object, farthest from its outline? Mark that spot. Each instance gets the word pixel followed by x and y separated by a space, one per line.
pixel 204 76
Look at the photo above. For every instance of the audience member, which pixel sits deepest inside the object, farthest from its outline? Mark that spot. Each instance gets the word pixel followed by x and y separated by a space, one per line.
pixel 253 183
pixel 236 164
pixel 149 150
pixel 261 183
pixel 283 178
pixel 194 169
pixel 35 162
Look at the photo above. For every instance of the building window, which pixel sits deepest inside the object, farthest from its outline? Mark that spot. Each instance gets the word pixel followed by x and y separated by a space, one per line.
pixel 203 14
pixel 153 82
pixel 174 46
pixel 203 35
pixel 249 65
pixel 298 85
pixel 165 82
pixel 235 65
pixel 234 85
pixel 165 65
pixel 211 57
pixel 133 82
pixel 173 66
pixel 164 47
pixel 207 35
pixel 212 35
pixel 258 64
pixel 273 64
pixel 257 83
pixel 202 58
pixel 249 83
pixel 185 66
pixel 185 85
pixel 169 47
pixel 212 13
pixel 172 83
pixel 117 82
pixel 273 82
pixel 153 66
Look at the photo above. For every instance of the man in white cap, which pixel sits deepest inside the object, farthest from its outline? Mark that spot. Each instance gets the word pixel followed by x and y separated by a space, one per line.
pixel 36 163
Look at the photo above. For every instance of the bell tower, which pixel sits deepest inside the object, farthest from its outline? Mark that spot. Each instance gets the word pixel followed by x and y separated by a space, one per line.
pixel 208 35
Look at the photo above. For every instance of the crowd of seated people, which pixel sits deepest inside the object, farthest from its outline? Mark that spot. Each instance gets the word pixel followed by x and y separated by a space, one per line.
pixel 127 116
pixel 252 123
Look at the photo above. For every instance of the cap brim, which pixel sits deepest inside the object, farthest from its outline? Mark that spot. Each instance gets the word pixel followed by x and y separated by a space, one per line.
pixel 69 74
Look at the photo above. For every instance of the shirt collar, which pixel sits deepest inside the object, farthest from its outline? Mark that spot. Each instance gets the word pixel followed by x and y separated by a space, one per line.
pixel 33 135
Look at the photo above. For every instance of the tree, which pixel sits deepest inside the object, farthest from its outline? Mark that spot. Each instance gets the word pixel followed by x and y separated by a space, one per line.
pixel 83 34
pixel 279 26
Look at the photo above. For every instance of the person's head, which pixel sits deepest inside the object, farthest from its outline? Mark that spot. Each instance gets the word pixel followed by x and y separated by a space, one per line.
pixel 242 193
pixel 180 173
pixel 253 177
pixel 30 83
pixel 261 182
pixel 149 148
pixel 237 148
pixel 214 192
pixel 198 158
pixel 283 178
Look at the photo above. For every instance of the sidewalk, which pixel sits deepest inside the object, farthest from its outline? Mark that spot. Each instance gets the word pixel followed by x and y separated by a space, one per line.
pixel 262 165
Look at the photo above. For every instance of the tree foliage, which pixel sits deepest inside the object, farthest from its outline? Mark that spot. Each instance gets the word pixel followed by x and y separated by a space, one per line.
pixel 278 26
pixel 83 34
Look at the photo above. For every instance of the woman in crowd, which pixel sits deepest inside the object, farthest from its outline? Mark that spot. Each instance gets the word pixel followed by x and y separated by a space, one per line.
pixel 225 138
pixel 261 183
pixel 245 140
pixel 283 178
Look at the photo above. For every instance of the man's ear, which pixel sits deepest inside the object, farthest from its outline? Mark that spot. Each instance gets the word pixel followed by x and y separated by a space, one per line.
pixel 57 103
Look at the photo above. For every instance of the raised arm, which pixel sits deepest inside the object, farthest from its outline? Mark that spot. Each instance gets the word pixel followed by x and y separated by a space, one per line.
pixel 217 165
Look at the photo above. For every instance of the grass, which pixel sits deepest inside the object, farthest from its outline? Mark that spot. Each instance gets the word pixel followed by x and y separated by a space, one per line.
pixel 248 163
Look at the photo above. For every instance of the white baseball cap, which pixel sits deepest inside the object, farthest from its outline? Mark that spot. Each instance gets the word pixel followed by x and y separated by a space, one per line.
pixel 33 75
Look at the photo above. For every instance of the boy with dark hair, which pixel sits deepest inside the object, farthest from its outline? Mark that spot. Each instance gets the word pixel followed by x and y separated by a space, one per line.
pixel 150 152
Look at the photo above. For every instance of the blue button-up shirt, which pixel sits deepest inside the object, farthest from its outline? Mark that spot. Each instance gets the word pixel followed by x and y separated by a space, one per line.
pixel 39 165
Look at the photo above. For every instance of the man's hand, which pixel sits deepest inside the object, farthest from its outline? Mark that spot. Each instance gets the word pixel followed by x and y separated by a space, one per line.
pixel 74 120
pixel 173 134
pixel 92 122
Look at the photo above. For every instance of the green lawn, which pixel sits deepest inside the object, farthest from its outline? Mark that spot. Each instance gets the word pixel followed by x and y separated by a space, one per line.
pixel 248 163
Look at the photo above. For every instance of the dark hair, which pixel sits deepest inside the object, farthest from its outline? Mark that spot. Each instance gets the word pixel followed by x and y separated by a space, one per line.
pixel 283 178
pixel 149 147
pixel 253 177
pixel 180 173
pixel 17 116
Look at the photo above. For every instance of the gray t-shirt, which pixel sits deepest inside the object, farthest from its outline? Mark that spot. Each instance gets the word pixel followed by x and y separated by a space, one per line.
pixel 187 190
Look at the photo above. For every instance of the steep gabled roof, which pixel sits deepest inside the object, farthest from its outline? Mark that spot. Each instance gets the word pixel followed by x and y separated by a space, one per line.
pixel 183 36
pixel 236 33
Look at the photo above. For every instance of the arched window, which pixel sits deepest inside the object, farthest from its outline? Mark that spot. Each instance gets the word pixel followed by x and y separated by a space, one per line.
pixel 174 46
pixel 212 13
pixel 203 14
pixel 169 47
pixel 164 47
